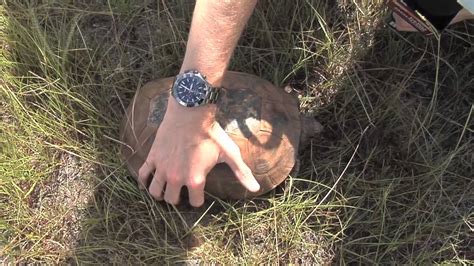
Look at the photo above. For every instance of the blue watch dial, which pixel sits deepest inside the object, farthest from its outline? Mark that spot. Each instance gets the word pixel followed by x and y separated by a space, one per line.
pixel 191 90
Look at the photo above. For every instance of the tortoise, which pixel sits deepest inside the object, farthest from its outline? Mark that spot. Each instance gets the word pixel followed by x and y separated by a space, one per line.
pixel 262 119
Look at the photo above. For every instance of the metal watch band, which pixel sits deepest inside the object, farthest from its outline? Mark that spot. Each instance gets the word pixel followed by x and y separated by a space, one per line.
pixel 213 95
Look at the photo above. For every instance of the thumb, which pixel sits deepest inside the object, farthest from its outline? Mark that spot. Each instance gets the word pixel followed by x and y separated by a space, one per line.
pixel 230 153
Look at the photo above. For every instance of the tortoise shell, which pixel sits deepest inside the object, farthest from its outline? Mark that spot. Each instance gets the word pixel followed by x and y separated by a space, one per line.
pixel 262 119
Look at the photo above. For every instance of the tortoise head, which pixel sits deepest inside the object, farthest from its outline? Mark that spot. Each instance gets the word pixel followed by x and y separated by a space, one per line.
pixel 310 127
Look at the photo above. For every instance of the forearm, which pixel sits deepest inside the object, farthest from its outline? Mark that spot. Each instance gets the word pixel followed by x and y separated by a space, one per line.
pixel 215 31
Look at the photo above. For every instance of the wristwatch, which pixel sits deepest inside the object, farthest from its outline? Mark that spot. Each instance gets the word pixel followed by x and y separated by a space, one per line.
pixel 191 89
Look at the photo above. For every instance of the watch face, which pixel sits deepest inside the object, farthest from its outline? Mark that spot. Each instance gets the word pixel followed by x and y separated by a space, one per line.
pixel 190 90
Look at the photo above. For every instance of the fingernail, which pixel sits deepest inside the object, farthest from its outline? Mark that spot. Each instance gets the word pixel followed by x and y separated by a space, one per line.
pixel 254 185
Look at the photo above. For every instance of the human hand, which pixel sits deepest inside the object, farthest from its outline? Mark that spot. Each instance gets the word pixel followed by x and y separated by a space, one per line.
pixel 188 144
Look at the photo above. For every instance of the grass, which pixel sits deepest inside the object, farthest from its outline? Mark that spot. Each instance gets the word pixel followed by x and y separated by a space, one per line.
pixel 388 181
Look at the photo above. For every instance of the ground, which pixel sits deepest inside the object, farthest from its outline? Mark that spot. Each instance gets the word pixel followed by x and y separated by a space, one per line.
pixel 389 180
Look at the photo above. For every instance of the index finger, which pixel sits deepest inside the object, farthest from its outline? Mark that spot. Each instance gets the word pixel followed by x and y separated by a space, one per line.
pixel 232 156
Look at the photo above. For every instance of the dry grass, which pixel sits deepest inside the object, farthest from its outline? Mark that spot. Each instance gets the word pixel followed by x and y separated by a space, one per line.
pixel 388 181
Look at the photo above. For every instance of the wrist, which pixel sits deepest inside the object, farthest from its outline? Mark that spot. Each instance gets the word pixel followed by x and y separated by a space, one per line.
pixel 210 65
pixel 214 74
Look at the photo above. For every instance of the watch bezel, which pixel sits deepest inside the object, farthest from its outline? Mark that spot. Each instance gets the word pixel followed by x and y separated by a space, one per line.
pixel 190 74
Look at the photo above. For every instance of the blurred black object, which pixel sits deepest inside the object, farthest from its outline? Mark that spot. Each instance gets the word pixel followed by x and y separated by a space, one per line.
pixel 438 13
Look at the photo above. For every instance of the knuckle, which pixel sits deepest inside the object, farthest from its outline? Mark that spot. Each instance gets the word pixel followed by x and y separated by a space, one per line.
pixel 170 172
pixel 156 194
pixel 173 180
pixel 156 189
pixel 157 181
pixel 195 183
pixel 155 157
pixel 151 160
pixel 151 155
pixel 143 173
